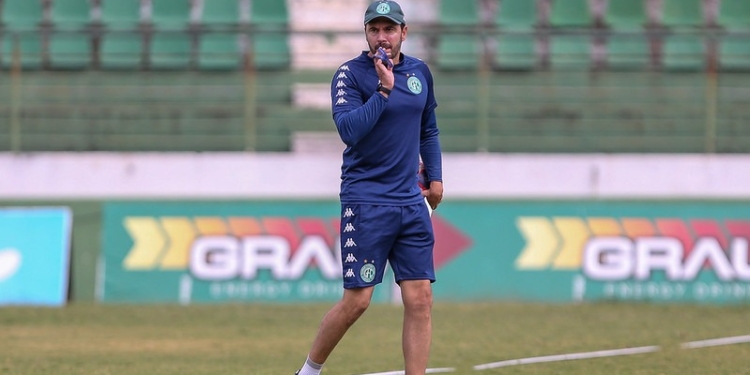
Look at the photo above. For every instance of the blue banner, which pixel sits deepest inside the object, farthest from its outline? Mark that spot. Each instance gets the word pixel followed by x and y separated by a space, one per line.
pixel 34 256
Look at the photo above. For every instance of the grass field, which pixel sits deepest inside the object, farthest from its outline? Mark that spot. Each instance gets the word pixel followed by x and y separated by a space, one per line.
pixel 274 339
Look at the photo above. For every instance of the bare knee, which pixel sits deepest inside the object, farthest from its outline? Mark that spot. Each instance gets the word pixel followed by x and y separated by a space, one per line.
pixel 417 297
pixel 354 304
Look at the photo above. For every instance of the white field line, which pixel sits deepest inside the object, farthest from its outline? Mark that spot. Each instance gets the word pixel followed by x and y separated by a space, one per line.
pixel 716 342
pixel 402 372
pixel 568 357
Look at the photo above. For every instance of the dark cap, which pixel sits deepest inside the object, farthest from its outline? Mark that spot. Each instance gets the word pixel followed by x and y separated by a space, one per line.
pixel 385 8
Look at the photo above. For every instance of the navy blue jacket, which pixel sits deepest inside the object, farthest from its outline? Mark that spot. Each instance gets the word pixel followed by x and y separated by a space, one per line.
pixel 385 137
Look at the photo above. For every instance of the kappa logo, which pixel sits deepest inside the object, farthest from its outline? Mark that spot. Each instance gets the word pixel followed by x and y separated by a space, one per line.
pixel 349 228
pixel 344 67
pixel 342 75
pixel 617 249
pixel 350 243
pixel 340 93
pixel 341 101
pixel 348 212
pixel 350 258
pixel 349 273
pixel 340 84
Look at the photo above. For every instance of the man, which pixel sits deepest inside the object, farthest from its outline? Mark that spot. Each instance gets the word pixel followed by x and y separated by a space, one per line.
pixel 386 117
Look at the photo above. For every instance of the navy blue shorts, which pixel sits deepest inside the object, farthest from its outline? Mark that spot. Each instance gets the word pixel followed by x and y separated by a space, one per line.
pixel 372 235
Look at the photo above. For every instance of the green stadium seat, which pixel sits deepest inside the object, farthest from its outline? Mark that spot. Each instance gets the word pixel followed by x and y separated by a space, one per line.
pixel 120 14
pixel 734 14
pixel 170 51
pixel 516 14
pixel 628 52
pixel 22 14
pixel 171 14
pixel 516 52
pixel 121 51
pixel 681 13
pixel 273 12
pixel 734 54
pixel 220 12
pixel 271 51
pixel 458 52
pixel 570 13
pixel 70 51
pixel 683 52
pixel 626 14
pixel 458 49
pixel 570 51
pixel 30 50
pixel 458 13
pixel 219 51
pixel 270 45
pixel 69 14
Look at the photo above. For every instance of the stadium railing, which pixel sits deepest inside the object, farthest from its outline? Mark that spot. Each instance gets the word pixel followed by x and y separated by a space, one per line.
pixel 128 87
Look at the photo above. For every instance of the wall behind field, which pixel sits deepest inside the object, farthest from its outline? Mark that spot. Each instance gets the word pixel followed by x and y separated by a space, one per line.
pixel 303 176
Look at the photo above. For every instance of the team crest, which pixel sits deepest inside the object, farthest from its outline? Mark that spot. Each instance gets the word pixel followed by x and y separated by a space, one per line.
pixel 414 85
pixel 383 8
pixel 367 273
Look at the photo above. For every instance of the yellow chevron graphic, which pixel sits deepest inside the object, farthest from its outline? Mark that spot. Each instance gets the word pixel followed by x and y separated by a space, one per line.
pixel 148 243
pixel 541 242
pixel 181 234
pixel 574 235
pixel 604 226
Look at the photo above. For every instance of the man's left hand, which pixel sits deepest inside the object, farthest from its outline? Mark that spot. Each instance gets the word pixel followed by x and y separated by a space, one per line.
pixel 434 194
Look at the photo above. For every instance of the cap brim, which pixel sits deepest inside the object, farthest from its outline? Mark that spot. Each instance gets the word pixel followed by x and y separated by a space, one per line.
pixel 396 21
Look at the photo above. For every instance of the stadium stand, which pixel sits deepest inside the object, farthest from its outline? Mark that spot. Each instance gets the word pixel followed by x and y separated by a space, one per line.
pixel 684 45
pixel 516 41
pixel 570 40
pixel 70 44
pixel 122 41
pixel 22 14
pixel 734 49
pixel 270 47
pixel 21 20
pixel 171 43
pixel 219 51
pixel 199 98
pixel 627 44
pixel 221 13
pixel 171 14
pixel 459 47
pixel 570 13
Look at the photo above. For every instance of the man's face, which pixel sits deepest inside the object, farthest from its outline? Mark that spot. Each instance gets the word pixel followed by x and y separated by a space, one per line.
pixel 382 32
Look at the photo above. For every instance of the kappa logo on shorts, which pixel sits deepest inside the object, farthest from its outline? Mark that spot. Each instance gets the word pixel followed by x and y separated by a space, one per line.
pixel 350 243
pixel 367 272
pixel 348 212
pixel 350 258
pixel 349 228
pixel 349 273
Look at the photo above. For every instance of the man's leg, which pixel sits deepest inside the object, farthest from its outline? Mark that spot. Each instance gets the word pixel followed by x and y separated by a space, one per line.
pixel 417 331
pixel 338 320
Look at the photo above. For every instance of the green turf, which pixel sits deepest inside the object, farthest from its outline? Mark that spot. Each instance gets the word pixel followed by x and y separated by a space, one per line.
pixel 274 339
